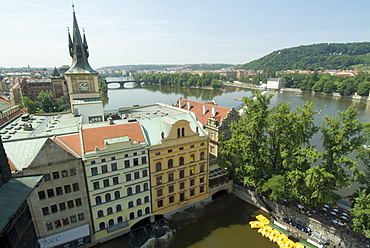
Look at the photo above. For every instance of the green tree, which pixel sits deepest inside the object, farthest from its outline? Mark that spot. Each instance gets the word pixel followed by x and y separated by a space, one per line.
pixel 360 212
pixel 30 105
pixel 46 101
pixel 363 88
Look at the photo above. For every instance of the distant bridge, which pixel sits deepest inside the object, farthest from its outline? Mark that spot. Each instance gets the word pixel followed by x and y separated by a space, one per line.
pixel 120 80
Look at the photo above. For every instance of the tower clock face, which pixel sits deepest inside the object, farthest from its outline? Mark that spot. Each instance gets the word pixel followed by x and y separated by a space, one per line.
pixel 83 86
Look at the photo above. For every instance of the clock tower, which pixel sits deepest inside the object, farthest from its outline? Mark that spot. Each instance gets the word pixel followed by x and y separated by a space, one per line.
pixel 82 80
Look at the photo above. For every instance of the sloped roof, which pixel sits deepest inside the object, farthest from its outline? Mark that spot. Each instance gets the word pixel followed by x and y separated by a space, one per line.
pixel 197 109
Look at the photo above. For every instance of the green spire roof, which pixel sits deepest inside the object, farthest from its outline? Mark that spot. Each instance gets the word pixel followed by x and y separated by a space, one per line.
pixel 78 50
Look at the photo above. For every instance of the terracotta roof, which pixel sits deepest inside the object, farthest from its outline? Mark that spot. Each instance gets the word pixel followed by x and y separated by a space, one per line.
pixel 12 167
pixel 197 109
pixel 94 137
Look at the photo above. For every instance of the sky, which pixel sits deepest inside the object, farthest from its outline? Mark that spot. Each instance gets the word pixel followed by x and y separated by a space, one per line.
pixel 122 32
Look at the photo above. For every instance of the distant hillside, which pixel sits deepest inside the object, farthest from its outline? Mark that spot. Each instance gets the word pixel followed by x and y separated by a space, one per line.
pixel 315 57
pixel 168 67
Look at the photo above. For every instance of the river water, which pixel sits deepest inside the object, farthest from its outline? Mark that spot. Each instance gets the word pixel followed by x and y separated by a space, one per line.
pixel 224 222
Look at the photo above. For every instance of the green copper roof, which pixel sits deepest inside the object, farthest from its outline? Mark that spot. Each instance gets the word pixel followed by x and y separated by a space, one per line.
pixel 78 50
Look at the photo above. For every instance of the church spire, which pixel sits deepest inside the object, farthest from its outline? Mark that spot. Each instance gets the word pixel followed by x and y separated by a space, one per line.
pixel 78 50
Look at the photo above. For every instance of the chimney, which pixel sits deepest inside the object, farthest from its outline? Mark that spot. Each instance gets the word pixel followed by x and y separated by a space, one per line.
pixel 188 105
pixel 180 103
pixel 204 109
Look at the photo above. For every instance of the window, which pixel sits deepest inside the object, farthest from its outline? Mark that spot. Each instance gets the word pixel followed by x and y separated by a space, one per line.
pixel 98 200
pixel 146 199
pixel 201 168
pixel 72 172
pixel 192 170
pixel 119 219
pixel 143 160
pixel 147 210
pixel 182 173
pixel 170 177
pixel 134 154
pixel 54 208
pixel 104 168
pixel 192 182
pixel 201 179
pixel 170 164
pixel 67 189
pixel 171 199
pixel 73 218
pixel 78 202
pixel 202 144
pixel 81 216
pixel 170 189
pixel 182 185
pixel 118 208
pixel 138 202
pixel 137 189
pixel 191 146
pixel 94 171
pixel 181 148
pixel 106 182
pixel 111 222
pixel 169 151
pixel 49 226
pixel 146 186
pixel 181 161
pixel 160 203
pixel 113 166
pixel 182 197
pixel 159 192
pixel 145 173
pixel 75 187
pixel 93 162
pixel 137 175
pixel 57 223
pixel 50 192
pixel 201 189
pixel 56 175
pixel 128 177
pixel 132 216
pixel 130 204
pixel 117 194
pixel 45 211
pixel 108 197
pixel 109 211
pixel 70 204
pixel 64 173
pixel 126 155
pixel 62 206
pixel 158 153
pixel 178 133
pixel 115 180
pixel 42 195
pixel 129 191
pixel 127 163
pixel 159 180
pixel 65 221
pixel 136 161
pixel 192 158
pixel 47 177
pixel 100 213
pixel 139 213
pixel 103 160
pixel 192 192
pixel 183 132
pixel 101 225
pixel 201 155
pixel 113 158
pixel 158 166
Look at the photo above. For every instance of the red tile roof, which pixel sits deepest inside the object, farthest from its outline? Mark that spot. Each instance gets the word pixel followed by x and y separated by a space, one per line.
pixel 94 137
pixel 197 109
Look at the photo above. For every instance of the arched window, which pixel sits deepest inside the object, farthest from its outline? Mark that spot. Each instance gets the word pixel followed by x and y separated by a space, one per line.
pixel 138 201
pixel 118 208
pixel 130 204
pixel 137 189
pixel 100 213
pixel 132 215
pixel 107 197
pixel 158 166
pixel 146 199
pixel 146 186
pixel 170 163
pixel 139 213
pixel 201 155
pixel 181 160
pixel 117 195
pixel 192 158
pixel 147 210
pixel 129 191
pixel 183 131
pixel 178 133
pixel 101 225
pixel 109 211
pixel 111 222
pixel 119 219
pixel 98 200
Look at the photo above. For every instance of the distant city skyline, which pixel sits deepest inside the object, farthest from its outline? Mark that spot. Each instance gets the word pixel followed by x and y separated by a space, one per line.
pixel 174 32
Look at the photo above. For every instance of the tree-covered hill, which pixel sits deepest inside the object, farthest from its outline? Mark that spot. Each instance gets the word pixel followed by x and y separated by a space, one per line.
pixel 337 56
